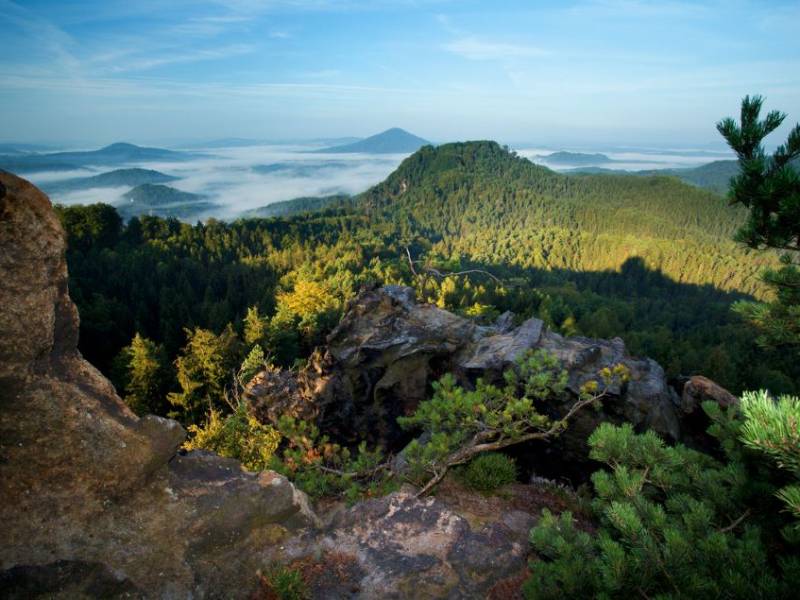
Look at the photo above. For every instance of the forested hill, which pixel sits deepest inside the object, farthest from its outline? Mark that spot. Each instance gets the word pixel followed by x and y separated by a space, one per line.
pixel 480 200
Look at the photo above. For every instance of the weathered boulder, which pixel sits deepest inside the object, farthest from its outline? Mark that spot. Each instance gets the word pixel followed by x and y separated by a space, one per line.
pixel 92 497
pixel 381 359
pixel 699 389
pixel 694 421
pixel 459 544
pixel 376 366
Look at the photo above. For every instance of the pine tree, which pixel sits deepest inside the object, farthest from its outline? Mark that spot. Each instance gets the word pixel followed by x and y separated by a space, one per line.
pixel 773 428
pixel 252 364
pixel 769 186
pixel 671 522
pixel 458 424
pixel 204 369
pixel 142 374
pixel 255 327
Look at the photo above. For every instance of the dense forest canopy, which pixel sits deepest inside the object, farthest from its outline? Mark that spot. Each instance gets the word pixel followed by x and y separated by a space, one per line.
pixel 649 259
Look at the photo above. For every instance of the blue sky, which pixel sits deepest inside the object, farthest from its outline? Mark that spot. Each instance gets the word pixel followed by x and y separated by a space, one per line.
pixel 572 73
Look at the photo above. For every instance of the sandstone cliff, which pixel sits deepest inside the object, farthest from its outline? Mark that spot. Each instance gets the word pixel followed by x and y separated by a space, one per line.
pixel 94 500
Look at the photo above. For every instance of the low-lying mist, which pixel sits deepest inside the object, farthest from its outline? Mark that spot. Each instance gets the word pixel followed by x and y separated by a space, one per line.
pixel 236 179
pixel 242 178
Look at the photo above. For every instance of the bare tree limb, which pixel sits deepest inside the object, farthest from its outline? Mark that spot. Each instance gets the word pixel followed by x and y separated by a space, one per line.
pixel 356 474
pixel 439 275
pixel 411 262
pixel 736 523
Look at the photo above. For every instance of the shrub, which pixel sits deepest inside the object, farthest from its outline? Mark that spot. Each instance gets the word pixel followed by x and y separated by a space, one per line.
pixel 282 583
pixel 323 468
pixel 671 523
pixel 489 471
pixel 238 435
pixel 461 424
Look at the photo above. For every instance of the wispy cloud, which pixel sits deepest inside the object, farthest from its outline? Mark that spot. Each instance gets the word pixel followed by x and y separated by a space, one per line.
pixel 49 37
pixel 321 74
pixel 641 8
pixel 208 26
pixel 144 63
pixel 473 48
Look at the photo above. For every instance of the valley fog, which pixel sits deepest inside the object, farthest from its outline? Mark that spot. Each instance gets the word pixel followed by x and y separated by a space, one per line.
pixel 243 178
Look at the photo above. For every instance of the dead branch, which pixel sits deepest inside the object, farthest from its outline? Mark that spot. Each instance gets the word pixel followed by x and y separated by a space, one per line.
pixel 357 474
pixel 439 275
pixel 736 523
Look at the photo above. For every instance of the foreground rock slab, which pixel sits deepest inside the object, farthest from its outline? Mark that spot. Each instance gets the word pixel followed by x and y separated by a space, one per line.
pixel 458 544
pixel 94 500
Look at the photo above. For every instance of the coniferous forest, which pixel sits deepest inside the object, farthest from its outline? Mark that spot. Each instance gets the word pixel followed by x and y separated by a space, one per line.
pixel 651 260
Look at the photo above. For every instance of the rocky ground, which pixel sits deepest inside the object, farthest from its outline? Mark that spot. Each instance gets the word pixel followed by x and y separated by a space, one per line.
pixel 96 502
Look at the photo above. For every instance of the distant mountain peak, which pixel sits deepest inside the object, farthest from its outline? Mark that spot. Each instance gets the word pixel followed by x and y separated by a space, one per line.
pixel 391 141
pixel 119 146
pixel 574 158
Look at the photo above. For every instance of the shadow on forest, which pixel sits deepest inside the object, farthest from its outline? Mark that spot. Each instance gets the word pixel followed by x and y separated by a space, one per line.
pixel 632 280
pixel 687 328
pixel 647 298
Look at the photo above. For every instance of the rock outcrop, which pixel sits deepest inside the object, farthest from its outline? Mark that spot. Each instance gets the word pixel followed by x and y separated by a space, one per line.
pixel 460 544
pixel 404 547
pixel 94 500
pixel 381 359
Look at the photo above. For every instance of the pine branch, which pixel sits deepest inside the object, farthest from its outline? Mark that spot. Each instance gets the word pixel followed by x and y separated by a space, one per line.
pixel 735 523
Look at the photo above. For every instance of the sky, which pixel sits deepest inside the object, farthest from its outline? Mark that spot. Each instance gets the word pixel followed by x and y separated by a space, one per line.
pixel 581 73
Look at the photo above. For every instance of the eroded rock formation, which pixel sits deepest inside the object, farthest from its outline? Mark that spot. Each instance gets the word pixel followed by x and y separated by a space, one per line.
pixel 92 497
pixel 380 360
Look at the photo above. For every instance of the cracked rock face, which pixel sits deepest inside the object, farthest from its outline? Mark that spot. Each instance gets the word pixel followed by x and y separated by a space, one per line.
pixel 381 359
pixel 404 547
pixel 95 500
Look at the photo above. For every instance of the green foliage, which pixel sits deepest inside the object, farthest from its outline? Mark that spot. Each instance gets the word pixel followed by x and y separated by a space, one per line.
pixel 778 322
pixel 489 471
pixel 673 523
pixel 597 266
pixel 93 226
pixel 769 187
pixel 574 250
pixel 253 363
pixel 458 423
pixel 283 583
pixel 142 375
pixel 323 468
pixel 238 435
pixel 311 307
pixel 772 427
pixel 204 369
pixel 255 327
pixel 482 312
